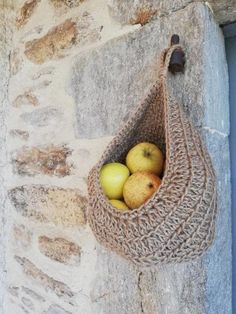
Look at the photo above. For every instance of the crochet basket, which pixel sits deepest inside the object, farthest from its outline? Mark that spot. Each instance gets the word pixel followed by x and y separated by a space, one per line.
pixel 177 223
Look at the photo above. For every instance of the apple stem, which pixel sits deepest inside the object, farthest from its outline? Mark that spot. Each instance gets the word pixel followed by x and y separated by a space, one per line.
pixel 146 154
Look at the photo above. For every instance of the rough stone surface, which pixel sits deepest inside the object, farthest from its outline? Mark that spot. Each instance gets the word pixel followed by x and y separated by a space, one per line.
pixel 56 309
pixel 224 11
pixel 118 9
pixel 105 97
pixel 64 207
pixel 16 61
pixel 216 131
pixel 88 30
pixel 53 43
pixel 28 303
pixel 25 311
pixel 50 160
pixel 60 250
pixel 116 287
pixel 20 134
pixel 33 294
pixel 143 16
pixel 42 72
pixel 14 291
pixel 215 79
pixel 22 236
pixel 32 32
pixel 6 22
pixel 41 85
pixel 80 31
pixel 59 288
pixel 43 116
pixel 218 300
pixel 126 13
pixel 165 289
pixel 179 289
pixel 67 3
pixel 25 12
pixel 26 99
pixel 19 201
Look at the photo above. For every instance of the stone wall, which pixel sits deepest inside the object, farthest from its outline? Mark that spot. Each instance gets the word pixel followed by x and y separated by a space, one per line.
pixel 73 70
pixel 5 48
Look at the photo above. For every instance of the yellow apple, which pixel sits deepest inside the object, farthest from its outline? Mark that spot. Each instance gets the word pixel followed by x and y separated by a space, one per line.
pixel 119 205
pixel 145 157
pixel 139 187
pixel 112 178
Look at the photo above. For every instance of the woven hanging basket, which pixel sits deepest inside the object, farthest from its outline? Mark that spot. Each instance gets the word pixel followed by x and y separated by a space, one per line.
pixel 177 223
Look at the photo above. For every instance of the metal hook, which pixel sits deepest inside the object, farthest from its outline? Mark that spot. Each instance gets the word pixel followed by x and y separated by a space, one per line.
pixel 177 59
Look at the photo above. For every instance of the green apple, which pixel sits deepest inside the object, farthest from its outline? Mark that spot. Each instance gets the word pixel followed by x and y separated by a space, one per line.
pixel 145 157
pixel 139 188
pixel 112 178
pixel 119 205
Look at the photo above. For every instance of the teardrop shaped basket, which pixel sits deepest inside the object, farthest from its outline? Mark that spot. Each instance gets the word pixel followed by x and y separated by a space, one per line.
pixel 178 223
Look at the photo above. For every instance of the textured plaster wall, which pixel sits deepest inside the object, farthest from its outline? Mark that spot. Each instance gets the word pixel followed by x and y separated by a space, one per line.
pixel 73 71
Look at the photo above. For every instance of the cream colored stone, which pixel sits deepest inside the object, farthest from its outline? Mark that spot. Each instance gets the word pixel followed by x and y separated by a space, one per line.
pixel 42 72
pixel 56 309
pixel 22 236
pixel 53 43
pixel 42 117
pixel 15 61
pixel 126 12
pixel 49 160
pixel 28 98
pixel 60 250
pixel 65 207
pixel 14 291
pixel 25 12
pixel 20 134
pixel 41 278
pixel 32 294
pixel 67 3
pixel 28 303
pixel 143 16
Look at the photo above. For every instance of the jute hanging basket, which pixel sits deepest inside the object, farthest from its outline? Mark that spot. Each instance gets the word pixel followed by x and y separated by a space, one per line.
pixel 177 223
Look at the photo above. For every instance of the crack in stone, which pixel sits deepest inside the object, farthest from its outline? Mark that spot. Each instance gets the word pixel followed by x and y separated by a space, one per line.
pixel 214 131
pixel 140 291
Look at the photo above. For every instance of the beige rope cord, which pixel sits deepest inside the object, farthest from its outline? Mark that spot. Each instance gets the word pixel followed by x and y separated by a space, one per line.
pixel 178 223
